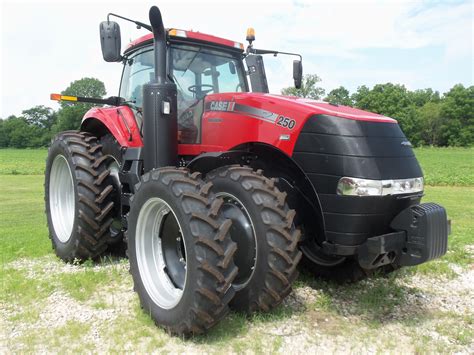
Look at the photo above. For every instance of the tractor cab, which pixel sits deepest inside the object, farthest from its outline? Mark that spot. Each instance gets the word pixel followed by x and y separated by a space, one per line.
pixel 197 68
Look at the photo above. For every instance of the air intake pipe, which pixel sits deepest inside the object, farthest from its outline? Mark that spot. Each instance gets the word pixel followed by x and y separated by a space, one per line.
pixel 160 105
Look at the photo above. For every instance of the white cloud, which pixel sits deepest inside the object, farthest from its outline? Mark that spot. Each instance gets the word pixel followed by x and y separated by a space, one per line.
pixel 46 45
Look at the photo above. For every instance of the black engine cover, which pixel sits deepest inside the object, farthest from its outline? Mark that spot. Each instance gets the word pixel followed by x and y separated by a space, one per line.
pixel 330 147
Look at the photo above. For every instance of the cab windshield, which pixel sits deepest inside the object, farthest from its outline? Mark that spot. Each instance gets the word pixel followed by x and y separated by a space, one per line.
pixel 197 71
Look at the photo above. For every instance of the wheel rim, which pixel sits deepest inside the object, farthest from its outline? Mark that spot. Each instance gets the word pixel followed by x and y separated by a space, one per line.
pixel 114 168
pixel 61 198
pixel 161 253
pixel 243 233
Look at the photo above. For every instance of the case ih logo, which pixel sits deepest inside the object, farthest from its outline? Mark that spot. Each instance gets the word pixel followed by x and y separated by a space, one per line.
pixel 250 111
pixel 222 106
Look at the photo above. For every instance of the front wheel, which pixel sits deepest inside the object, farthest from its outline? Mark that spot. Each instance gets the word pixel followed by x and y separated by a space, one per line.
pixel 267 240
pixel 181 256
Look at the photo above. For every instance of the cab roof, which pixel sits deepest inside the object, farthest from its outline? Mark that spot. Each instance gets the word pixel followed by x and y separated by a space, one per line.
pixel 190 36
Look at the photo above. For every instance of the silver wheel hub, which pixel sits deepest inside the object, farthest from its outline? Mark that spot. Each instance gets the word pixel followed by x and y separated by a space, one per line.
pixel 161 258
pixel 61 198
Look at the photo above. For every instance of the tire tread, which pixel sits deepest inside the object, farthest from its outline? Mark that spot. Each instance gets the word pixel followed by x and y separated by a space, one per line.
pixel 212 245
pixel 93 196
pixel 281 237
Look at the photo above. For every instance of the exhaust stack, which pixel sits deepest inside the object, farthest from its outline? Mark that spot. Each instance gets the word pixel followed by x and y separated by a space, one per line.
pixel 160 105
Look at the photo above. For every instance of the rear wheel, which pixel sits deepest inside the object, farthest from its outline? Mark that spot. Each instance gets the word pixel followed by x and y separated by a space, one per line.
pixel 181 256
pixel 262 227
pixel 78 196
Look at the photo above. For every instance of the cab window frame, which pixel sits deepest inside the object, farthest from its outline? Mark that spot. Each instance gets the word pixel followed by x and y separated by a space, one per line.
pixel 233 56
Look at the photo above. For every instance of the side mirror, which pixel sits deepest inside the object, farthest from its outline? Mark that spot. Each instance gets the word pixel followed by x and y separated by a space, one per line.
pixel 110 41
pixel 297 73
pixel 232 67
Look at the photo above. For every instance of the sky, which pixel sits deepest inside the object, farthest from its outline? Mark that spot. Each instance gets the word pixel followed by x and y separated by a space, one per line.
pixel 44 46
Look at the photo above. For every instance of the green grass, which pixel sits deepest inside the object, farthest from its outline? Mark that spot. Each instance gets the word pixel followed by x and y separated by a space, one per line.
pixel 23 231
pixel 447 166
pixel 82 285
pixel 441 166
pixel 22 161
pixel 62 339
pixel 459 202
pixel 20 289
pixel 457 332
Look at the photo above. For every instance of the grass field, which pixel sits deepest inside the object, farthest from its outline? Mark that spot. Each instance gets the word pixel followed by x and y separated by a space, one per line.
pixel 36 287
pixel 441 166
pixel 447 166
pixel 22 161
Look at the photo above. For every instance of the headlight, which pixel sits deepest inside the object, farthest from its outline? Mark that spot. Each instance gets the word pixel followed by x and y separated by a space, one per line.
pixel 348 186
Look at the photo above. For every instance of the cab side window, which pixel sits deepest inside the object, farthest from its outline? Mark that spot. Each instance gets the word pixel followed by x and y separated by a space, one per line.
pixel 138 71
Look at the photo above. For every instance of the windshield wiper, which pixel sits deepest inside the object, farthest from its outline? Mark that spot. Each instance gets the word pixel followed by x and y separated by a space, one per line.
pixel 191 62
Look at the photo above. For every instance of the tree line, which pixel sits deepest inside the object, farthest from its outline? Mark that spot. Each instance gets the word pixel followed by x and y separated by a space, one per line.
pixel 36 126
pixel 426 116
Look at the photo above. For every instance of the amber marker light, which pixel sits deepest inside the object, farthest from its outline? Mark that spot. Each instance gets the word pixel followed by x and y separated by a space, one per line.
pixel 59 97
pixel 250 34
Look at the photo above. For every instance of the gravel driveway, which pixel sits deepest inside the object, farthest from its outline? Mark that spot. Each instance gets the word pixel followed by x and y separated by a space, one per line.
pixel 408 313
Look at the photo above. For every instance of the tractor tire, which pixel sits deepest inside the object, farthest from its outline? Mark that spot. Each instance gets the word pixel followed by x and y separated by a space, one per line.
pixel 181 255
pixel 78 196
pixel 112 149
pixel 262 226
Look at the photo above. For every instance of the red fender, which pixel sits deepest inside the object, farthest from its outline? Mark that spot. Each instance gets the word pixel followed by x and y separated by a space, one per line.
pixel 119 121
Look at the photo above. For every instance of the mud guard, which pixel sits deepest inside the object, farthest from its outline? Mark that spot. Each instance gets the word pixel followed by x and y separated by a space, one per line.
pixel 119 121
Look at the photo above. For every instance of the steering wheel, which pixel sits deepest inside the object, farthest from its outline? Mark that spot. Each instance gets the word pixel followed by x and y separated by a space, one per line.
pixel 193 88
pixel 239 86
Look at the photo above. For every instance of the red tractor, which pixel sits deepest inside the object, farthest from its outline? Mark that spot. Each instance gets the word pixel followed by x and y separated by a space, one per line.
pixel 219 190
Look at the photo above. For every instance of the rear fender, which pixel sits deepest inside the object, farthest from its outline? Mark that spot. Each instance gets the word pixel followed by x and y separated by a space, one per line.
pixel 302 195
pixel 118 121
